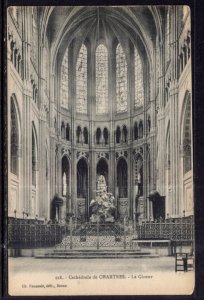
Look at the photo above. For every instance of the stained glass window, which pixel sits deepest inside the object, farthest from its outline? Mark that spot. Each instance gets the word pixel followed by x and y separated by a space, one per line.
pixel 64 81
pixel 121 80
pixel 139 84
pixel 81 81
pixel 101 79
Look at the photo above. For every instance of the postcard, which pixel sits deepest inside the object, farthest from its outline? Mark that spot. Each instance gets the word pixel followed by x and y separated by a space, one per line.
pixel 100 148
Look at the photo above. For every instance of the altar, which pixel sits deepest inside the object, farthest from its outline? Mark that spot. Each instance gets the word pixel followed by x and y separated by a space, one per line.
pixel 103 207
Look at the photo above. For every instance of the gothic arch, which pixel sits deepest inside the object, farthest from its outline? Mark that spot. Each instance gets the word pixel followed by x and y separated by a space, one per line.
pixel 139 171
pixel 47 158
pixel 15 135
pixel 168 143
pixel 187 96
pixel 102 169
pixel 63 130
pixel 82 178
pixel 124 134
pixel 186 139
pixel 68 135
pixel 79 134
pixel 121 79
pixel 15 100
pixel 140 132
pixel 34 155
pixel 81 81
pixel 122 177
pixel 98 135
pixel 101 68
pixel 85 135
pixel 105 135
pixel 118 135
pixel 65 175
pixel 135 131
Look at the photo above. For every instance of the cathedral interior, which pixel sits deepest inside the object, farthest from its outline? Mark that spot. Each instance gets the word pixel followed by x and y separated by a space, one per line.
pixel 99 91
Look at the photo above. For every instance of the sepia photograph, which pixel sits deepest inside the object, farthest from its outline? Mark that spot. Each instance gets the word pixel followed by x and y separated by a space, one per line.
pixel 100 150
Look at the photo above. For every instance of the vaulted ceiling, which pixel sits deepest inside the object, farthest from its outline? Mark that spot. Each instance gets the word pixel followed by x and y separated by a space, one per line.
pixel 141 24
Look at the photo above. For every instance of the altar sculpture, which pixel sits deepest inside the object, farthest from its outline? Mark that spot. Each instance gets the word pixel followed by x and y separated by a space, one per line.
pixel 103 207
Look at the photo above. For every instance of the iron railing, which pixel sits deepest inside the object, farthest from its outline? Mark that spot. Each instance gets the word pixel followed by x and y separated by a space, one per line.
pixel 23 233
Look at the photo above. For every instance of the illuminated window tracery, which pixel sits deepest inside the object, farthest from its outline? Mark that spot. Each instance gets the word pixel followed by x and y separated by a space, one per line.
pixel 121 80
pixel 64 81
pixel 101 79
pixel 139 84
pixel 81 81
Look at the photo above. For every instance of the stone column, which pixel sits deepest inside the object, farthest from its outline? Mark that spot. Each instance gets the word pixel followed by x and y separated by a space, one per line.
pixel 26 113
pixel 72 107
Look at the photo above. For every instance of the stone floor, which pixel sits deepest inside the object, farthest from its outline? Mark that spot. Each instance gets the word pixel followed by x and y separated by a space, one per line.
pixel 30 276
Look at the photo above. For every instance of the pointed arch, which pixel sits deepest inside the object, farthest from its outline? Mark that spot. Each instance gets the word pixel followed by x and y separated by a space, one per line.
pixel 34 154
pixel 68 132
pixel 122 178
pixel 64 82
pixel 186 138
pixel 105 135
pixel 65 176
pixel 102 169
pixel 124 134
pixel 139 83
pixel 118 135
pixel 101 79
pixel 121 80
pixel 140 129
pixel 85 135
pixel 81 81
pixel 168 30
pixel 79 134
pixel 135 130
pixel 82 178
pixel 98 135
pixel 63 130
pixel 168 154
pixel 139 173
pixel 34 40
pixel 14 136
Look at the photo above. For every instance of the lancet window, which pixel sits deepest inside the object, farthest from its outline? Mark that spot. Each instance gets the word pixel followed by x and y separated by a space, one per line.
pixel 101 79
pixel 139 83
pixel 64 81
pixel 121 80
pixel 81 81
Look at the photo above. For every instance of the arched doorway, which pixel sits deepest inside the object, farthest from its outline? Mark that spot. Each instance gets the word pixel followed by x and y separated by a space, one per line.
pixel 122 187
pixel 82 189
pixel 102 169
